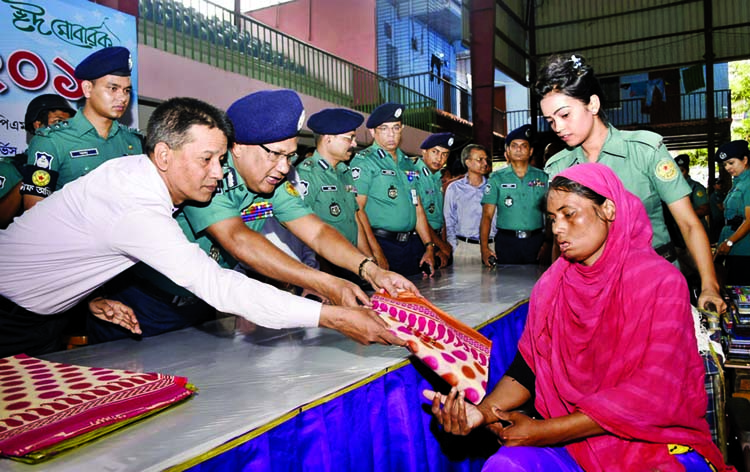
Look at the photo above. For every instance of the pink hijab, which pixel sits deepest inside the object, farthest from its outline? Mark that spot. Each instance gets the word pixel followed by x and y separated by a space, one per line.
pixel 615 340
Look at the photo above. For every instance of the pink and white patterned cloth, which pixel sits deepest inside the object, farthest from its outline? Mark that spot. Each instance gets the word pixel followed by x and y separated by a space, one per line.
pixel 456 352
pixel 43 403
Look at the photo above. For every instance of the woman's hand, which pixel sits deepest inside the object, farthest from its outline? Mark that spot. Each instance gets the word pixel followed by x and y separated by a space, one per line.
pixel 522 430
pixel 456 415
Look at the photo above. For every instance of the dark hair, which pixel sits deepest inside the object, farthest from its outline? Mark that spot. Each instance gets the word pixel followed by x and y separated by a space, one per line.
pixel 570 75
pixel 564 184
pixel 171 120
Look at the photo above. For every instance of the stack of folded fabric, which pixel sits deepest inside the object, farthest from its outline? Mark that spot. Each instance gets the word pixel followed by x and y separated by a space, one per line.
pixel 48 407
pixel 456 352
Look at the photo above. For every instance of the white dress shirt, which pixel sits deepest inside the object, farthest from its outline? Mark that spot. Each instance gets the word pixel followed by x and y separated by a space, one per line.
pixel 97 226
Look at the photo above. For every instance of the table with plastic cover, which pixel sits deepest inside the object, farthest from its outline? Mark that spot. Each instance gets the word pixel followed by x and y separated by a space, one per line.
pixel 257 383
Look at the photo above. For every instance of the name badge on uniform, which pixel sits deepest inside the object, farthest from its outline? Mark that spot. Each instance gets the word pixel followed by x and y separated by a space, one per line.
pixel 507 185
pixel 84 153
pixel 414 199
pixel 328 188
pixel 384 172
pixel 334 209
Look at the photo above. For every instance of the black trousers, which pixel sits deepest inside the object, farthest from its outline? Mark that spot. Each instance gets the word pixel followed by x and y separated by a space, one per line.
pixel 512 250
pixel 403 257
pixel 25 332
pixel 738 270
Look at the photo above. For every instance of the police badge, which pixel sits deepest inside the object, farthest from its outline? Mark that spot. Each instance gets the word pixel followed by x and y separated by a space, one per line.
pixel 431 208
pixel 392 192
pixel 508 201
pixel 334 209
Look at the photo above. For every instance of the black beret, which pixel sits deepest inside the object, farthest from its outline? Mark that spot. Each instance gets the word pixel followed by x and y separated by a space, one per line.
pixel 732 149
pixel 524 132
pixel 40 103
pixel 108 61
pixel 385 113
pixel 438 139
pixel 683 160
pixel 268 116
pixel 334 121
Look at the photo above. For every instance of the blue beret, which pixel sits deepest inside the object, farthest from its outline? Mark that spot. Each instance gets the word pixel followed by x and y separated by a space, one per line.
pixel 524 132
pixel 334 121
pixel 108 61
pixel 683 160
pixel 385 113
pixel 438 139
pixel 268 116
pixel 732 149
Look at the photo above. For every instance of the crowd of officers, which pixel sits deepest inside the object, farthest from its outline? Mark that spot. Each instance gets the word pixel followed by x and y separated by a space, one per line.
pixel 122 263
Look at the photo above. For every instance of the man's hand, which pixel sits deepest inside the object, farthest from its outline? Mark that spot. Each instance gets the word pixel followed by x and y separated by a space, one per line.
pixel 444 251
pixel 428 258
pixel 115 312
pixel 456 416
pixel 709 295
pixel 361 324
pixel 486 254
pixel 344 293
pixel 391 282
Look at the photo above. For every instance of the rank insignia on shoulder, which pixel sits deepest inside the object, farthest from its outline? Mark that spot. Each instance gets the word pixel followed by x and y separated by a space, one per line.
pixel 43 160
pixel 230 178
pixel 84 153
pixel 426 171
pixel 290 189
pixel 666 170
pixel 355 172
pixel 381 153
pixel 323 164
pixel 306 164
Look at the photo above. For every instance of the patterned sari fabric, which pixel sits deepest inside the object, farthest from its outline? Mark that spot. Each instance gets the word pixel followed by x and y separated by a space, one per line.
pixel 615 341
pixel 45 403
pixel 456 352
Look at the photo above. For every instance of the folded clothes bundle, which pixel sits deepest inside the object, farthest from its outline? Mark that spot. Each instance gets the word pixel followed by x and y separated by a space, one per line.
pixel 47 407
pixel 456 352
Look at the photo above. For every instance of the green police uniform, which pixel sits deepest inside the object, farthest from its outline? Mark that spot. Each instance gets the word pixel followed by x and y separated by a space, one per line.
pixel 390 188
pixel 9 176
pixel 734 207
pixel 74 148
pixel 431 193
pixel 519 201
pixel 330 193
pixel 233 200
pixel 641 161
pixel 698 195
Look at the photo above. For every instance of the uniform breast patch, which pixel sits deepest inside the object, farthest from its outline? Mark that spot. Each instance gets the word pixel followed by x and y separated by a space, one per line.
pixel 257 211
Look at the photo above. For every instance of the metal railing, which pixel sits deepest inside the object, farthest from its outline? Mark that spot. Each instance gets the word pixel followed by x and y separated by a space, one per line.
pixel 692 107
pixel 211 34
pixel 448 96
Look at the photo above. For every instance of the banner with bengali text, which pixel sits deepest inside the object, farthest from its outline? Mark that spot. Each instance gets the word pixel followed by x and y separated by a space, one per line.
pixel 41 44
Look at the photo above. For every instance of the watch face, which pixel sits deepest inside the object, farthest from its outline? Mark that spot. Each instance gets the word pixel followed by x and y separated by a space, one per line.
pixel 730 243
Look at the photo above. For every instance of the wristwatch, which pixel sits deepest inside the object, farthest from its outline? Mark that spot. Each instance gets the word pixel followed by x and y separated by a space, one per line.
pixel 729 243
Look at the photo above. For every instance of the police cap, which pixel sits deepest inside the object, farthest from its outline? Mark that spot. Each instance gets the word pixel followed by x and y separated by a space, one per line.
pixel 683 160
pixel 334 121
pixel 41 103
pixel 732 149
pixel 444 140
pixel 268 116
pixel 385 113
pixel 523 132
pixel 113 60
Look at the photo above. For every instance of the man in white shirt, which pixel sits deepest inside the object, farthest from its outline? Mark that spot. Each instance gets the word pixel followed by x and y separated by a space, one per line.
pixel 121 213
pixel 463 207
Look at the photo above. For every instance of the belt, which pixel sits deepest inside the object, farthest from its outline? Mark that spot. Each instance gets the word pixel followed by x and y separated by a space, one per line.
pixel 392 235
pixel 472 240
pixel 667 251
pixel 520 233
pixel 164 296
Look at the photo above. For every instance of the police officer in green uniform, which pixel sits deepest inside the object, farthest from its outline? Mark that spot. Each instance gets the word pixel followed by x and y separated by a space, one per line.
pixel 517 193
pixel 435 151
pixel 10 196
pixel 698 194
pixel 324 179
pixel 386 181
pixel 67 150
pixel 735 243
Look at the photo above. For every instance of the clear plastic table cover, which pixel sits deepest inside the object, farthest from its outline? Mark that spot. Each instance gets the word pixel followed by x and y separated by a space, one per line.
pixel 250 376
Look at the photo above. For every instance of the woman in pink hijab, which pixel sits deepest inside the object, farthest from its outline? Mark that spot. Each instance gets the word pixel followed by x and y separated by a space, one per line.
pixel 608 352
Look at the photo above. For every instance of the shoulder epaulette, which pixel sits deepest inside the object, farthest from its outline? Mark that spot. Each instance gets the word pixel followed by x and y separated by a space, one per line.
pixel 646 137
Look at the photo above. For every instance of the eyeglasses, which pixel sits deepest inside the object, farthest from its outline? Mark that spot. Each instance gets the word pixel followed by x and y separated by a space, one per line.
pixel 385 129
pixel 349 137
pixel 275 156
pixel 481 159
